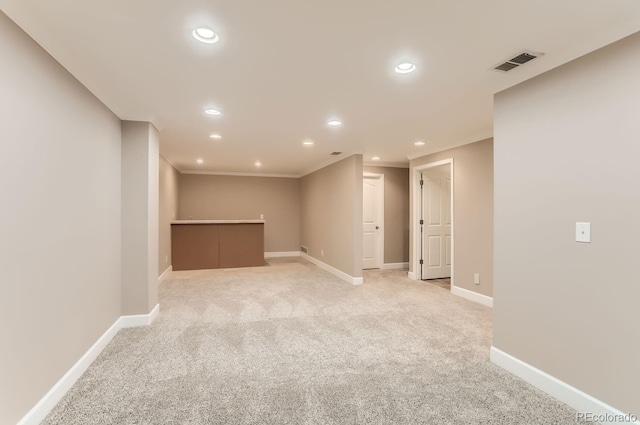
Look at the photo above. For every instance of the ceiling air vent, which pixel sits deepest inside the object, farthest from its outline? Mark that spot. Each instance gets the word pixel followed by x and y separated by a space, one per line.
pixel 336 153
pixel 517 60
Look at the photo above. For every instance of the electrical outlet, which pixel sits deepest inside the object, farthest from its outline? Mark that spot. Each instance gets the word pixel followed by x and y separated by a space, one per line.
pixel 476 278
pixel 166 258
pixel 261 216
pixel 322 252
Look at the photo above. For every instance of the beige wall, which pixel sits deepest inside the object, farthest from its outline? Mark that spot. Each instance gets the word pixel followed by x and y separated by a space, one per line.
pixel 238 197
pixel 332 215
pixel 473 213
pixel 568 308
pixel 140 175
pixel 396 212
pixel 59 221
pixel 169 204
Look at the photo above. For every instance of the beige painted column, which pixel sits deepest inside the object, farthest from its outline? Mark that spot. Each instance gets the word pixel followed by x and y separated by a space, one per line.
pixel 140 174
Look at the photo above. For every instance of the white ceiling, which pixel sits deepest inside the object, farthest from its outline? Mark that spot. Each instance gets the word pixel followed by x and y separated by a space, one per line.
pixel 282 68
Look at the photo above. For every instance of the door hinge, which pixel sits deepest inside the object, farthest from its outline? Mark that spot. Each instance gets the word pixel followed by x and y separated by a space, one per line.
pixel 421 261
pixel 421 222
pixel 421 182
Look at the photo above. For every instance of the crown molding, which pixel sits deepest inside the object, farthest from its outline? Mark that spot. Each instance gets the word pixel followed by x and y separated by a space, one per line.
pixel 230 173
pixel 386 164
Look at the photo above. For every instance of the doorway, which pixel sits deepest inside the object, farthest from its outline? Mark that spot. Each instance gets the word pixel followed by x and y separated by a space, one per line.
pixel 434 224
pixel 372 221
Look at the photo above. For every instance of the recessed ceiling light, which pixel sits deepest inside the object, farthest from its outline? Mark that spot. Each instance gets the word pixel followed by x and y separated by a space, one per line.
pixel 375 158
pixel 258 164
pixel 334 123
pixel 205 35
pixel 308 142
pixel 419 143
pixel 200 161
pixel 215 136
pixel 211 111
pixel 405 68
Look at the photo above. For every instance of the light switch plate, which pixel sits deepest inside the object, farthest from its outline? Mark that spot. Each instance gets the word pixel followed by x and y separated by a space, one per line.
pixel 583 232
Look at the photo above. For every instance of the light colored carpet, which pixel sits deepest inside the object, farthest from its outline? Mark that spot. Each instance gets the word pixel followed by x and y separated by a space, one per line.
pixel 291 344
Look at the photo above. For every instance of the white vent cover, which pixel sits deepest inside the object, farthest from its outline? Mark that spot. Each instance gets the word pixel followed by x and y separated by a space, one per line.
pixel 517 60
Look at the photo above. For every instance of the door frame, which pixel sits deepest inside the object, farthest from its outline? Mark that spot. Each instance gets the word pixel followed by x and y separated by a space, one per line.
pixel 380 208
pixel 414 273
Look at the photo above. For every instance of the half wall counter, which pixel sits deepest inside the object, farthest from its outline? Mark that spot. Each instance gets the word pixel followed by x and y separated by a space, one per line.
pixel 216 244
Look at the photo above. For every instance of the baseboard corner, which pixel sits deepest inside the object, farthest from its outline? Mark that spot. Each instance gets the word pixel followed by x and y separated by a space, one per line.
pixel 472 296
pixel 137 320
pixel 338 273
pixel 281 254
pixel 64 384
pixel 165 274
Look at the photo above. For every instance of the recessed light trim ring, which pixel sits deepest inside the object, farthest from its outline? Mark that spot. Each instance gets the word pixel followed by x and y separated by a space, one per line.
pixel 405 68
pixel 205 35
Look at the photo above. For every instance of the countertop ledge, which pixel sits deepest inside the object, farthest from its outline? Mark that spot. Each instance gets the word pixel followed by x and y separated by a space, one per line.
pixel 217 221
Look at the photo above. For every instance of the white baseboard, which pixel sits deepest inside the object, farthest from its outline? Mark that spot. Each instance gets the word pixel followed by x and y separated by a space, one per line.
pixel 579 400
pixel 411 275
pixel 281 254
pixel 338 273
pixel 55 394
pixel 395 266
pixel 473 296
pixel 164 274
pixel 137 320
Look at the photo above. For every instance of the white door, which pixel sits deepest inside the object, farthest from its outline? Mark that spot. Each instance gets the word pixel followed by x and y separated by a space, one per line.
pixel 372 222
pixel 436 248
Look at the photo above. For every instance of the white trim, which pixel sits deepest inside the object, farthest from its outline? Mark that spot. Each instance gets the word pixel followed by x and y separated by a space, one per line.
pixel 165 273
pixel 232 173
pixel 190 221
pixel 380 208
pixel 137 320
pixel 386 164
pixel 482 136
pixel 55 394
pixel 416 214
pixel 411 275
pixel 338 273
pixel 337 158
pixel 170 163
pixel 473 296
pixel 551 385
pixel 281 254
pixel 395 266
